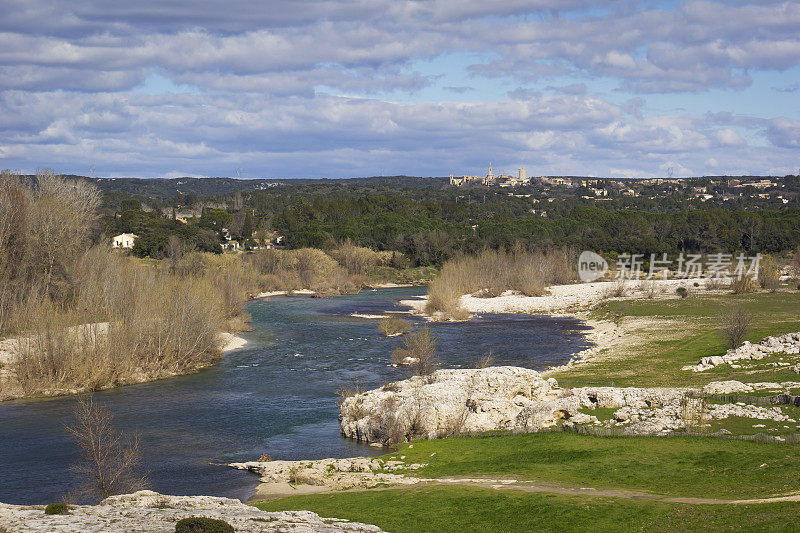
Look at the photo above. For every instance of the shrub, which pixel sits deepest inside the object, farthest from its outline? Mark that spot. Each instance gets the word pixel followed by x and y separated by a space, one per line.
pixel 420 348
pixel 357 259
pixel 683 292
pixel 107 464
pixel 744 285
pixel 201 524
pixel 491 272
pixel 769 275
pixel 735 326
pixel 393 326
pixel 354 388
pixel 57 508
pixel 485 361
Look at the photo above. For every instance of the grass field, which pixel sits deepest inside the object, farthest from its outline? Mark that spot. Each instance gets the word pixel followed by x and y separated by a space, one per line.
pixel 664 335
pixel 676 466
pixel 466 509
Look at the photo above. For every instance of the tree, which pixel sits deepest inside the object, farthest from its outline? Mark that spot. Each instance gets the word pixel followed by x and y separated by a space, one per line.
pixel 247 227
pixel 108 464
pixel 735 326
pixel 63 212
pixel 174 249
pixel 419 352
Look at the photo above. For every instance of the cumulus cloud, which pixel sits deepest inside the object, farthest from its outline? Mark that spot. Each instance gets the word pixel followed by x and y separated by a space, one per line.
pixel 327 87
pixel 209 134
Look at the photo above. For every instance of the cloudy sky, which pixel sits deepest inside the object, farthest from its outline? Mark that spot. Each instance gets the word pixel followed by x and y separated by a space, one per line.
pixel 342 88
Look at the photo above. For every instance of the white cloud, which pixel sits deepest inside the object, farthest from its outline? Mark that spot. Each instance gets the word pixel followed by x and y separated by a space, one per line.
pixel 267 82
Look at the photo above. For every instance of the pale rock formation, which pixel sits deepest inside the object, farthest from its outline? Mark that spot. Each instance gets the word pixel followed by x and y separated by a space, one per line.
pixel 335 474
pixel 517 399
pixel 727 387
pixel 788 344
pixel 496 398
pixel 147 511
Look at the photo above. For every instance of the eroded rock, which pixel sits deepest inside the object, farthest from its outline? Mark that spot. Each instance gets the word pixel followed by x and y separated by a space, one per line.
pixel 147 511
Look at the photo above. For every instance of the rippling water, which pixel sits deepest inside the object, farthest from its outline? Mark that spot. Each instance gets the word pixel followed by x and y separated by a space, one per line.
pixel 275 396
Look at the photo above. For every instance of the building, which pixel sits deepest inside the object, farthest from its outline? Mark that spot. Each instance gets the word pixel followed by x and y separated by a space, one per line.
pixel 124 240
pixel 489 179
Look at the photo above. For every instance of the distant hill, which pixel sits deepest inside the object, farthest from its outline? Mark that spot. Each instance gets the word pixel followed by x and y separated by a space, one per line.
pixel 167 188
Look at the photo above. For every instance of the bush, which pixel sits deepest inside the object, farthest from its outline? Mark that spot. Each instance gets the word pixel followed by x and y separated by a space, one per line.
pixel 491 273
pixel 420 349
pixel 57 508
pixel 769 275
pixel 393 326
pixel 735 326
pixel 744 285
pixel 201 524
pixel 683 292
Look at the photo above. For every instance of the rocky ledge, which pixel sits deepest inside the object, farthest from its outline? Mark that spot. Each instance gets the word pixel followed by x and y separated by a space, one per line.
pixel 451 402
pixel 331 474
pixel 148 511
pixel 788 344
pixel 469 401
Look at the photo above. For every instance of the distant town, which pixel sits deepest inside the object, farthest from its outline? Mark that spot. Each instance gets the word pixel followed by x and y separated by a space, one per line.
pixel 703 189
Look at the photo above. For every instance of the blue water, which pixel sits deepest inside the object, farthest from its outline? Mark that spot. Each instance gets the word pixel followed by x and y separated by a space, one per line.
pixel 275 396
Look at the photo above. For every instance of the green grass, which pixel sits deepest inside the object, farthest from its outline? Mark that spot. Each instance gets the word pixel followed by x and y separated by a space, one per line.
pixel 465 509
pixel 677 466
pixel 690 331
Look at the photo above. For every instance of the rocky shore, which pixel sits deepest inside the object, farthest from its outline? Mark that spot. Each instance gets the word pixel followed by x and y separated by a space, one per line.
pixel 147 511
pixel 470 401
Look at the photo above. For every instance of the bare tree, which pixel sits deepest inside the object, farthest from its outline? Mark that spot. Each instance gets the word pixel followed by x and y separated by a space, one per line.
pixel 735 326
pixel 175 249
pixel 63 212
pixel 109 464
pixel 797 263
pixel 419 349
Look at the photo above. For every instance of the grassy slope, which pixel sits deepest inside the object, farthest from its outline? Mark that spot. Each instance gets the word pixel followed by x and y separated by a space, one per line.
pixel 677 466
pixel 690 331
pixel 465 509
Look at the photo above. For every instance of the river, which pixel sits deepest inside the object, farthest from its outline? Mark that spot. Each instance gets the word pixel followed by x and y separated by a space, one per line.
pixel 277 395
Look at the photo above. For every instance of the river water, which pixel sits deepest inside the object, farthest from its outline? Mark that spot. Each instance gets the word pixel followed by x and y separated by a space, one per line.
pixel 277 395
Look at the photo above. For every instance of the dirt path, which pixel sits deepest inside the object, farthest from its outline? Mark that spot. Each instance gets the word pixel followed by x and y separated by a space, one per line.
pixel 533 486
pixel 285 489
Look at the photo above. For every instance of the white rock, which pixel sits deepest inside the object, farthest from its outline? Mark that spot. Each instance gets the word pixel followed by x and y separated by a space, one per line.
pixel 726 387
pixel 147 511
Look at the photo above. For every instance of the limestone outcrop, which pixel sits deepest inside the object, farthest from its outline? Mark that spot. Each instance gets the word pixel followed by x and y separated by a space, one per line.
pixel 788 344
pixel 497 398
pixel 333 474
pixel 147 511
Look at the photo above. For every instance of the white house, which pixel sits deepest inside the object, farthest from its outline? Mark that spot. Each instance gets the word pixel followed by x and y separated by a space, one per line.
pixel 124 240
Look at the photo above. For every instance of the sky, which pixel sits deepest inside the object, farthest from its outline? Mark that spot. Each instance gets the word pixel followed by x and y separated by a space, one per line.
pixel 346 88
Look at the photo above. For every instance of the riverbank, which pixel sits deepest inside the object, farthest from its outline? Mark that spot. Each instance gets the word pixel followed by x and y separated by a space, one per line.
pixel 9 390
pixel 574 301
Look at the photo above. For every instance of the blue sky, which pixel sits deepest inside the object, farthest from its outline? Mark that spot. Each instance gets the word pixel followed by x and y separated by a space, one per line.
pixel 343 88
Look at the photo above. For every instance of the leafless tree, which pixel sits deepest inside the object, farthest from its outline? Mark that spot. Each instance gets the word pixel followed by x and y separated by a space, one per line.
pixel 63 212
pixel 420 348
pixel 735 326
pixel 175 249
pixel 109 463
